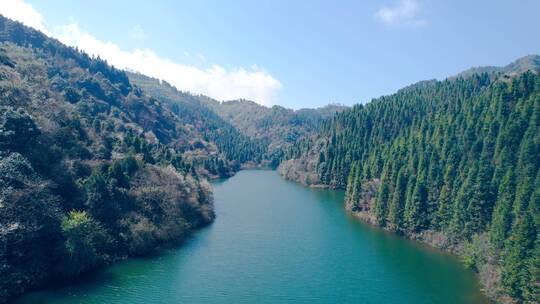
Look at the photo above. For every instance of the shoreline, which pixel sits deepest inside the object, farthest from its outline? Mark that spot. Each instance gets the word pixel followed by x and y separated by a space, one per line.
pixel 431 239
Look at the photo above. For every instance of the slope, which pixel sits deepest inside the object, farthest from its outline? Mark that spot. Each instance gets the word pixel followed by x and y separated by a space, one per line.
pixel 452 163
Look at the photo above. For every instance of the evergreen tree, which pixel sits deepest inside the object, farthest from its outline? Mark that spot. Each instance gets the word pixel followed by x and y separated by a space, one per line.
pixel 502 215
pixel 415 218
pixel 395 210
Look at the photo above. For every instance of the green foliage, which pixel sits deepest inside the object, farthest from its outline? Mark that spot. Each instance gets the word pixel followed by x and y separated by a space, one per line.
pixel 84 237
pixel 235 147
pixel 79 149
pixel 458 157
pixel 18 130
pixel 516 275
pixel 474 255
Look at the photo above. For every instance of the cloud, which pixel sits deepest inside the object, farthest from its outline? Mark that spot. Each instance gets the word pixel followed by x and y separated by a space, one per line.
pixel 24 13
pixel 137 33
pixel 215 81
pixel 405 12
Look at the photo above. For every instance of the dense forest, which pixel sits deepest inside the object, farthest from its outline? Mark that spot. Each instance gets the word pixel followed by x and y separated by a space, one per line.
pixel 453 163
pixel 278 127
pixel 98 164
pixel 91 169
pixel 193 110
pixel 247 131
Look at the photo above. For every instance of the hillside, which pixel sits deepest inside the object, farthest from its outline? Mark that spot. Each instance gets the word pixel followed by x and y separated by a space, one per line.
pixel 92 170
pixel 277 126
pixel 193 110
pixel 99 164
pixel 262 134
pixel 452 163
pixel 521 65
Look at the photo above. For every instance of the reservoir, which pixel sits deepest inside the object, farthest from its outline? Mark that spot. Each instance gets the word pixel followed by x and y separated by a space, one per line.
pixel 275 241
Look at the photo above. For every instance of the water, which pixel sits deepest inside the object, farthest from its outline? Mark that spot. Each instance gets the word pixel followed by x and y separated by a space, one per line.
pixel 277 242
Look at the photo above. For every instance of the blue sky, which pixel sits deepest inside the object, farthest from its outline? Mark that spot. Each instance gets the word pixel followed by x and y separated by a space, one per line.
pixel 293 53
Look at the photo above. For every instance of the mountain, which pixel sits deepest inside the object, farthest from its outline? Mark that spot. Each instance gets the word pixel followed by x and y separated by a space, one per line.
pixel 262 133
pixel 452 163
pixel 521 65
pixel 277 126
pixel 98 164
pixel 92 169
pixel 193 110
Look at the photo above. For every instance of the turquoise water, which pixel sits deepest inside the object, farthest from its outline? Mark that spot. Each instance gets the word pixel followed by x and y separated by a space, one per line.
pixel 274 241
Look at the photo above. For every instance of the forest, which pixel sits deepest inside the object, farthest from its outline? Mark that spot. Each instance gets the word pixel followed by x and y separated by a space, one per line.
pixel 92 170
pixel 98 164
pixel 453 163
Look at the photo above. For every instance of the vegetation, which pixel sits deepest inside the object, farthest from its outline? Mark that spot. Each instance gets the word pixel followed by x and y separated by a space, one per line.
pixel 97 164
pixel 247 132
pixel 279 128
pixel 453 163
pixel 91 169
pixel 236 147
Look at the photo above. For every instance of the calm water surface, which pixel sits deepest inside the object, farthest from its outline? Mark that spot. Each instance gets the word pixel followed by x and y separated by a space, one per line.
pixel 277 242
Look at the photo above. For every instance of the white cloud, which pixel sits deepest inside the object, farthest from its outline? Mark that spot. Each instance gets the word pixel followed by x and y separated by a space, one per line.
pixel 405 12
pixel 24 13
pixel 215 81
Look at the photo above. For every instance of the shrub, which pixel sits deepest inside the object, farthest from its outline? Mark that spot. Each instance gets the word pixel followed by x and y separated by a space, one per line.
pixel 83 238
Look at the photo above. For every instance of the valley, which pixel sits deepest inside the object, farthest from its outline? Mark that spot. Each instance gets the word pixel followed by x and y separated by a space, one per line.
pixel 112 176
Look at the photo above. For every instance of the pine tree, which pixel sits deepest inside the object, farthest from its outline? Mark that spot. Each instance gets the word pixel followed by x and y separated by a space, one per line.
pixel 395 210
pixel 381 202
pixel 415 210
pixel 516 275
pixel 459 222
pixel 502 215
pixel 444 211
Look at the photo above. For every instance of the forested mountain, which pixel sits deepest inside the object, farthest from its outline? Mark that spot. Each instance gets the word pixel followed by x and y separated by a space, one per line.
pixel 91 168
pixel 247 131
pixel 193 110
pixel 527 63
pixel 276 126
pixel 98 164
pixel 454 163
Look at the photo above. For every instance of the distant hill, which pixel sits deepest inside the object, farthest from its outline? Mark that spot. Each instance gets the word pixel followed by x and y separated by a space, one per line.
pixel 194 110
pixel 278 126
pixel 269 130
pixel 521 65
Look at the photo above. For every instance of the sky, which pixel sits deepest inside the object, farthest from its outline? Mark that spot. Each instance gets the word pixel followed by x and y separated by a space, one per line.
pixel 296 54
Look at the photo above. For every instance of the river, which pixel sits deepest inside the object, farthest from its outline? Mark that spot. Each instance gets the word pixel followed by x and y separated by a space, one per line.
pixel 275 241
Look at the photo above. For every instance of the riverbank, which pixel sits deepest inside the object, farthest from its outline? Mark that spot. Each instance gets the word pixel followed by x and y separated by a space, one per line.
pixel 275 241
pixel 469 253
pixel 488 274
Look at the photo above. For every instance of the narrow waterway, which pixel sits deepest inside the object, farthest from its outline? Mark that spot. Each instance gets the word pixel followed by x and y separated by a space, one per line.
pixel 275 241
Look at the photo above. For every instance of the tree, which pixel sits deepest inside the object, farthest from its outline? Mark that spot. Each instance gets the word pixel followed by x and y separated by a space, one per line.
pixel 444 212
pixel 83 237
pixel 397 203
pixel 502 215
pixel 415 209
pixel 381 202
pixel 516 275
pixel 18 131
